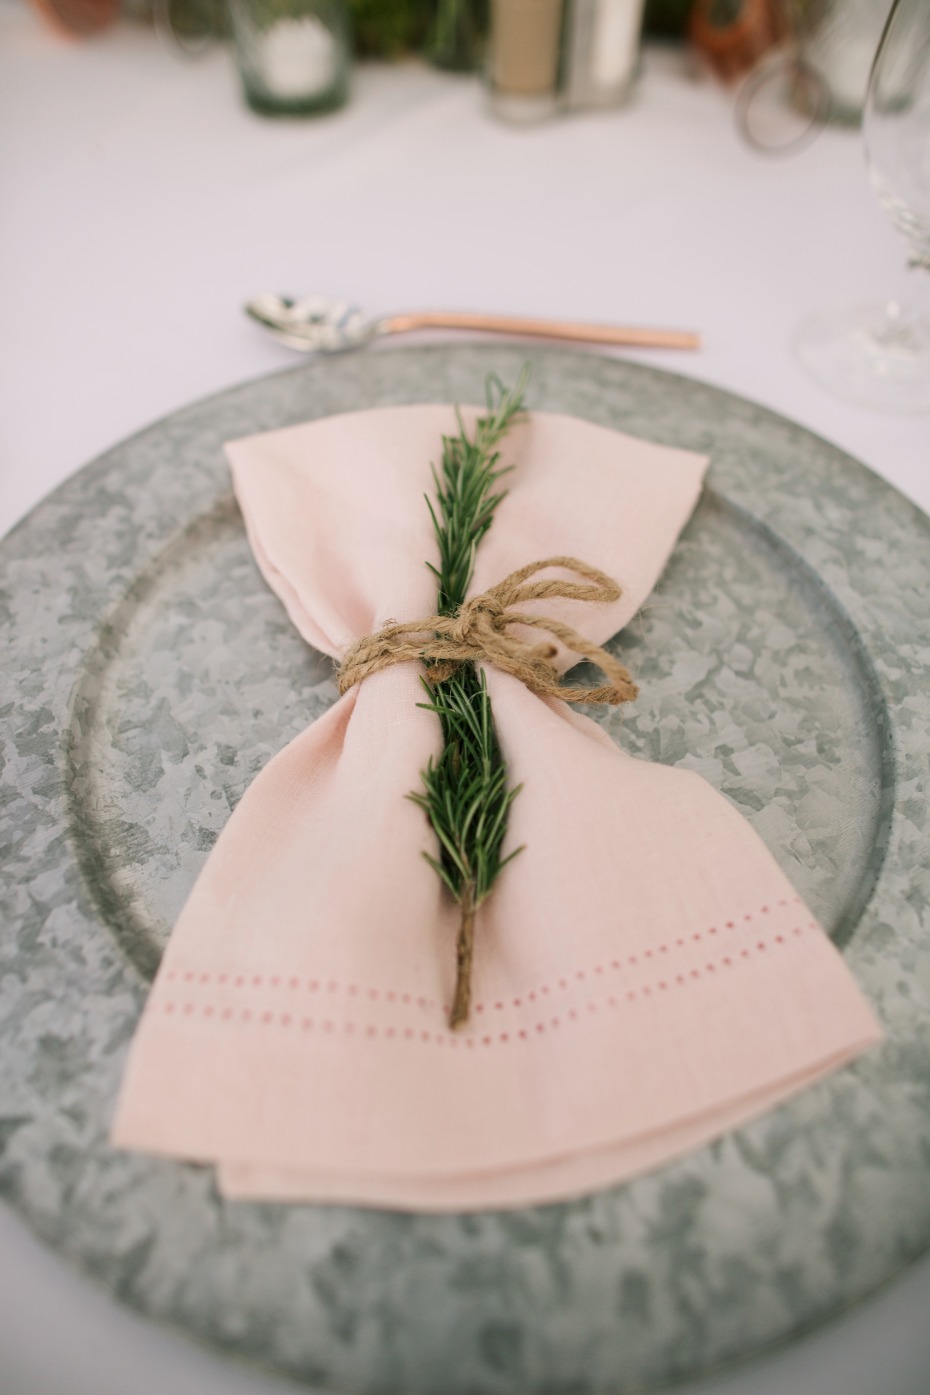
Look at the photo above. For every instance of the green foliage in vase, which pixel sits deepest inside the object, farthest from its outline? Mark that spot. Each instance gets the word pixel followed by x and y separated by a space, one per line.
pixel 196 19
pixel 264 14
pixel 389 28
pixel 668 18
pixel 451 33
pixel 457 36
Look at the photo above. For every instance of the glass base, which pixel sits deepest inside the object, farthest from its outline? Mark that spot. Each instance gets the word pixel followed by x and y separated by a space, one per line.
pixel 523 109
pixel 875 355
pixel 268 104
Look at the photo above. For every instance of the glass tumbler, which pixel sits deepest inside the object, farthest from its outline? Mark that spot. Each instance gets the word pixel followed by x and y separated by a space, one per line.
pixel 293 55
pixel 837 40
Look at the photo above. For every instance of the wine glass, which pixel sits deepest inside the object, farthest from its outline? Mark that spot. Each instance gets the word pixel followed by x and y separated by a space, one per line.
pixel 879 355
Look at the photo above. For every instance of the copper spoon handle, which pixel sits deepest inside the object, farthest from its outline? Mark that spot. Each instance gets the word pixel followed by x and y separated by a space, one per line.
pixel 543 329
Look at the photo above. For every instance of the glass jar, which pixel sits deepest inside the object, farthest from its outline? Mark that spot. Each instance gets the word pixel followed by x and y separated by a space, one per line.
pixel 293 55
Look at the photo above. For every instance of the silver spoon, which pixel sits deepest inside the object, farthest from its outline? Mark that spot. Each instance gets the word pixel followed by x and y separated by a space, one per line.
pixel 318 323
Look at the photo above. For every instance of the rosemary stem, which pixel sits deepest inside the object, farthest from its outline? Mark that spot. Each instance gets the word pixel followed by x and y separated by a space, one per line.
pixel 464 953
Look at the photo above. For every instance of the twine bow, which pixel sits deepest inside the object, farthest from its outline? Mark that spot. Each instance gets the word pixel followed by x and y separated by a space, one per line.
pixel 480 632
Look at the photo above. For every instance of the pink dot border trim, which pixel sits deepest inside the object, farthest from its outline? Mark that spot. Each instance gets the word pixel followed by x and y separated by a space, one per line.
pixel 256 981
pixel 329 1026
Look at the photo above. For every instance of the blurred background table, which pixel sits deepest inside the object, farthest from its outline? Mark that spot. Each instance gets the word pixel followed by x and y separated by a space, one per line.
pixel 142 203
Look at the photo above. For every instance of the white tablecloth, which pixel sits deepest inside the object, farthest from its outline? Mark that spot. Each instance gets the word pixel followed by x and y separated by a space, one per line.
pixel 142 203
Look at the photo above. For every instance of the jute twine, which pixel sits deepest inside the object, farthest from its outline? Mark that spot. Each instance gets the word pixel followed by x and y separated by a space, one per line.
pixel 481 633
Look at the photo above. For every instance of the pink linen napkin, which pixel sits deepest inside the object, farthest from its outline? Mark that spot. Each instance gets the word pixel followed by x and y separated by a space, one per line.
pixel 646 978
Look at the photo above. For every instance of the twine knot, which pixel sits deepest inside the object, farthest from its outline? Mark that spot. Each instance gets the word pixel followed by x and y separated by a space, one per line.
pixel 481 632
pixel 481 613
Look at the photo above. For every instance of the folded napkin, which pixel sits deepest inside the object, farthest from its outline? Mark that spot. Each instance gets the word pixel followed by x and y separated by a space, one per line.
pixel 645 976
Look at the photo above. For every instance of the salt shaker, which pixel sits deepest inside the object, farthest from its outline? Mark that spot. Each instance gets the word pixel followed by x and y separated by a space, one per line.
pixel 524 70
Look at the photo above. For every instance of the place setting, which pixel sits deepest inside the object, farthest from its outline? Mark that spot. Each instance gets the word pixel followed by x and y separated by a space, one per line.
pixel 465 837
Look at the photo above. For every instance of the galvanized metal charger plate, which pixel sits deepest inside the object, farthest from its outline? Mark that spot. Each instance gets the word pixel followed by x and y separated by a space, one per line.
pixel 148 674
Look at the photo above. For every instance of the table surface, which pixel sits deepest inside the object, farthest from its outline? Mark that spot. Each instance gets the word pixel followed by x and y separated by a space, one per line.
pixel 143 203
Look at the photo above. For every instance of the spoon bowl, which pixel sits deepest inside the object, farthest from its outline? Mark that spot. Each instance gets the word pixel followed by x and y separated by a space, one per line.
pixel 313 323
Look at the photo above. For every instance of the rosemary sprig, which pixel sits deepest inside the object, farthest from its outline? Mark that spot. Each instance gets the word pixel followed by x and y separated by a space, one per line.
pixel 465 793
